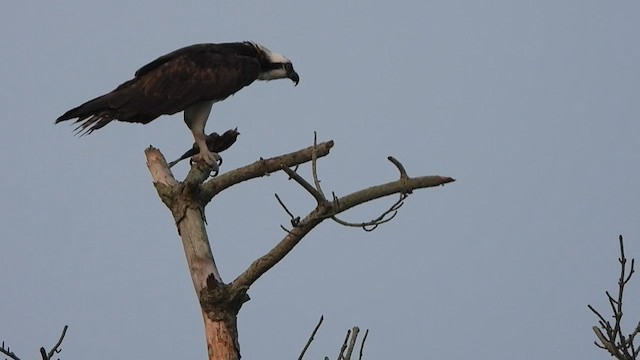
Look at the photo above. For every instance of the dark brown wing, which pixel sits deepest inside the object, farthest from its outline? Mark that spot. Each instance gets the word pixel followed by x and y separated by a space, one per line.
pixel 168 85
pixel 227 49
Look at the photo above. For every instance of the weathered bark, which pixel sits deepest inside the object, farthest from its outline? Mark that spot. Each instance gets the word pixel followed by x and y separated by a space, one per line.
pixel 220 322
pixel 186 201
pixel 220 302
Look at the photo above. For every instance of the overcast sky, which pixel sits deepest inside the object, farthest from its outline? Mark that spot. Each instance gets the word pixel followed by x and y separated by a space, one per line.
pixel 532 106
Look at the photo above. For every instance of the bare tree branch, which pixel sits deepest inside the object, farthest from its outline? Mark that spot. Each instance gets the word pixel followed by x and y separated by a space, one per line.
pixel 313 334
pixel 366 333
pixel 158 167
pixel 320 197
pixel 354 336
pixel 314 165
pixel 344 345
pixel 612 339
pixel 324 211
pixel 315 193
pixel 260 168
pixel 373 224
pixel 221 302
pixel 294 219
pixel 346 350
pixel 383 218
pixel 54 350
pixel 348 345
pixel 43 353
pixel 398 164
pixel 7 351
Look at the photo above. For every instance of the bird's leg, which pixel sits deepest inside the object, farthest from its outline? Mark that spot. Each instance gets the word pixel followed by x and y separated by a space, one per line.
pixel 196 118
pixel 211 158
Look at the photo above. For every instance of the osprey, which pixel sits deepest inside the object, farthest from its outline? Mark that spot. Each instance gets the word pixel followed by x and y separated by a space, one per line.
pixel 190 79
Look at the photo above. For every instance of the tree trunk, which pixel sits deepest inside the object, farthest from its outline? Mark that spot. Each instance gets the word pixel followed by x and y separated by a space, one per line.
pixel 219 310
pixel 220 302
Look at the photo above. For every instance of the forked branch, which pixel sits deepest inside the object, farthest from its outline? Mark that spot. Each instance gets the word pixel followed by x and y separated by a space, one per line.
pixel 387 215
pixel 261 168
pixel 326 209
pixel 43 353
pixel 610 337
pixel 220 302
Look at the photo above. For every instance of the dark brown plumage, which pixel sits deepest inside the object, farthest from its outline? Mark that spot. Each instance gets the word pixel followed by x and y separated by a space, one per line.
pixel 190 79
pixel 172 83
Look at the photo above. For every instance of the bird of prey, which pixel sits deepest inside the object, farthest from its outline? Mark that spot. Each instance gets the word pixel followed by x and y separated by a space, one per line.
pixel 190 79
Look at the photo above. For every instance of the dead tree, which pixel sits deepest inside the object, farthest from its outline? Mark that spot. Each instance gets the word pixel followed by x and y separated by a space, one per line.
pixel 220 302
pixel 611 337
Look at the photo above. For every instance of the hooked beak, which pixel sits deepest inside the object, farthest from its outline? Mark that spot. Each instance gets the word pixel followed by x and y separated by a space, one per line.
pixel 293 75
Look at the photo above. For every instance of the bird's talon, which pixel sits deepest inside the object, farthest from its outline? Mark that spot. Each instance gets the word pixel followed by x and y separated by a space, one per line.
pixel 211 159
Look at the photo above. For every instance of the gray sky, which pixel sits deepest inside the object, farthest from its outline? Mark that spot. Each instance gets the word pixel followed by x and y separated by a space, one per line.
pixel 531 106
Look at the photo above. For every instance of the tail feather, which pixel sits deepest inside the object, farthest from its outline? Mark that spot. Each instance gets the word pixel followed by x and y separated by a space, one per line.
pixel 87 109
pixel 91 115
pixel 94 122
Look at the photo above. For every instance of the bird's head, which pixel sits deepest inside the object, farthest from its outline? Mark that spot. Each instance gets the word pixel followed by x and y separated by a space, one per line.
pixel 276 66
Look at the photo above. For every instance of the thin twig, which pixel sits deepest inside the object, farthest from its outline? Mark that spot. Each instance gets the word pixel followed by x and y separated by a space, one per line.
pixel 43 353
pixel 294 219
pixel 613 339
pixel 632 337
pixel 362 344
pixel 313 334
pixel 284 206
pixel 617 331
pixel 305 184
pixel 344 345
pixel 366 226
pixel 7 351
pixel 393 210
pixel 398 164
pixel 55 350
pixel 373 224
pixel 314 166
pixel 602 319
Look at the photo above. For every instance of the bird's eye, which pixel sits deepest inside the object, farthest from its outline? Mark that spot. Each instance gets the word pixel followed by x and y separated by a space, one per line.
pixel 288 66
